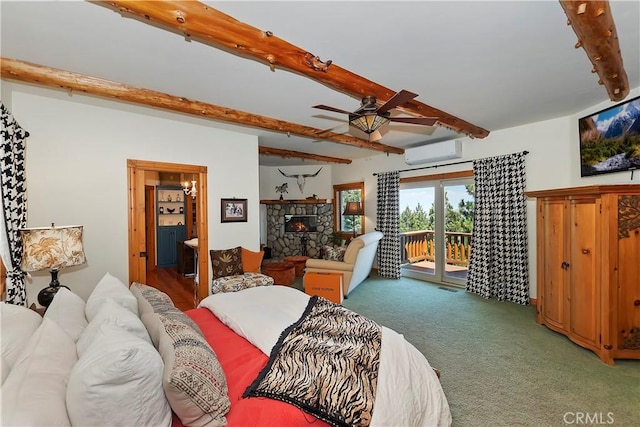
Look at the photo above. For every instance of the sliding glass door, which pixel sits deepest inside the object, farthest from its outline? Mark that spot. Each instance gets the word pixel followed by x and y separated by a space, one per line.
pixel 436 221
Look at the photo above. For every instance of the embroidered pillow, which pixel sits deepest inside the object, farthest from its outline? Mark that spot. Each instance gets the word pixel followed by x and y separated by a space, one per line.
pixel 193 379
pixel 149 298
pixel 334 254
pixel 226 262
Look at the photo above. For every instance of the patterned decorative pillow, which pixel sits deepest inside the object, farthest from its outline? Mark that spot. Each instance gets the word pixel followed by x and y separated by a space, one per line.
pixel 226 262
pixel 149 297
pixel 193 379
pixel 238 283
pixel 333 254
pixel 152 300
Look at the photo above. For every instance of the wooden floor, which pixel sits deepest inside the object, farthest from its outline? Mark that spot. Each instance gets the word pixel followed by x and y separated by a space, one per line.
pixel 177 286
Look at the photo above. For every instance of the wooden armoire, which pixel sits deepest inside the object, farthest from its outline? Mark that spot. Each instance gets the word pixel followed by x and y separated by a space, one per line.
pixel 588 267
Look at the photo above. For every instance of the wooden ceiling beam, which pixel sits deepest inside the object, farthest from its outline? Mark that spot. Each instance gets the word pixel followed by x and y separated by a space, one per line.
pixel 269 151
pixel 197 21
pixel 593 24
pixel 52 77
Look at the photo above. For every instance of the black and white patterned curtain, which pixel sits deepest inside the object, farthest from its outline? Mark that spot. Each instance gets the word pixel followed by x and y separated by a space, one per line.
pixel 388 222
pixel 14 205
pixel 499 266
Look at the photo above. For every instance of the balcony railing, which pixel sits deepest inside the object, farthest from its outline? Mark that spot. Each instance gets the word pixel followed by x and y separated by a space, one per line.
pixel 420 246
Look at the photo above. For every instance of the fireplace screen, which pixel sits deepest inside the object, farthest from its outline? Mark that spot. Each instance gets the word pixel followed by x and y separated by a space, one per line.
pixel 300 223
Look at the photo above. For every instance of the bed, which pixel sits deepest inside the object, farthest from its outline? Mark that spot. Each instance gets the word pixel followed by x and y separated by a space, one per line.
pixel 259 356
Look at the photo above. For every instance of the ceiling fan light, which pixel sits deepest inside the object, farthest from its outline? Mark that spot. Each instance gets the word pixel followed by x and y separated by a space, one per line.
pixel 368 123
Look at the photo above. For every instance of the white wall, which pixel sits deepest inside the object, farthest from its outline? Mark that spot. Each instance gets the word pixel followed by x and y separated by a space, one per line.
pixel 320 185
pixel 76 172
pixel 553 162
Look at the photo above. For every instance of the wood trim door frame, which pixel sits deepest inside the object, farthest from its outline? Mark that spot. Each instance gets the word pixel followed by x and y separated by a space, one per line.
pixel 150 225
pixel 136 218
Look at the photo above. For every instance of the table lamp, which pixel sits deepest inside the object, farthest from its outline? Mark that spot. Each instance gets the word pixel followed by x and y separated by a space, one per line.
pixel 51 248
pixel 354 209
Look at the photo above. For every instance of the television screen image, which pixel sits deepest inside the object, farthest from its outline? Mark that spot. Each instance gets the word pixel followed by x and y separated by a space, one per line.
pixel 610 139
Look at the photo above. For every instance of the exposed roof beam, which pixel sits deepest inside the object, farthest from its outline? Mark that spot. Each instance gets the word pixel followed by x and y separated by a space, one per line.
pixel 197 21
pixel 269 151
pixel 52 77
pixel 593 24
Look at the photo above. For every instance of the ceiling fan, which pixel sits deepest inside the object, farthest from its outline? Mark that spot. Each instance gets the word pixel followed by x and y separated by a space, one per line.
pixel 369 117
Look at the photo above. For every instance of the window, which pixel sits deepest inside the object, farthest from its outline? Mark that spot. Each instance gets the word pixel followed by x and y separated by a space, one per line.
pixel 346 224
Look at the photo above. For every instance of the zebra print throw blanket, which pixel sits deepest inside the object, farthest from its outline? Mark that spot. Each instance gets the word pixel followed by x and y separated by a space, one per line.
pixel 326 363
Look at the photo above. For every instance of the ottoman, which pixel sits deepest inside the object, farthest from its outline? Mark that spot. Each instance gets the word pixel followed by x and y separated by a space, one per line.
pixel 300 261
pixel 283 273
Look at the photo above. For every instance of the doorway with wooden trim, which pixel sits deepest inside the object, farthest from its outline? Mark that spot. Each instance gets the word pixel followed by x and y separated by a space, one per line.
pixel 142 253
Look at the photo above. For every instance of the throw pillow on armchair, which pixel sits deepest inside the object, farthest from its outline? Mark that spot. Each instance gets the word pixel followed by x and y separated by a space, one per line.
pixel 252 261
pixel 226 262
pixel 333 254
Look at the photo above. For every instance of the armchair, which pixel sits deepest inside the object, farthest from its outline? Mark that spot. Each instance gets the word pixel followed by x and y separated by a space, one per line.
pixel 236 269
pixel 357 263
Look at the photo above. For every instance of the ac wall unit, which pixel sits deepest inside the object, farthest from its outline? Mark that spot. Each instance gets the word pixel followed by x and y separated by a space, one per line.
pixel 435 152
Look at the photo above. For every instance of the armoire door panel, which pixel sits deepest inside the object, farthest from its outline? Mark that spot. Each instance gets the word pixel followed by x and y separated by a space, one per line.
pixel 627 326
pixel 553 296
pixel 584 300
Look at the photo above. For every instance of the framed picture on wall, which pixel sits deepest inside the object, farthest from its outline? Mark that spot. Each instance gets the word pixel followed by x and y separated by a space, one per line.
pixel 233 210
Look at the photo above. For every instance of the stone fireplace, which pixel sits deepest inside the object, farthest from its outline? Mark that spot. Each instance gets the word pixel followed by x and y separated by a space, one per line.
pixel 300 217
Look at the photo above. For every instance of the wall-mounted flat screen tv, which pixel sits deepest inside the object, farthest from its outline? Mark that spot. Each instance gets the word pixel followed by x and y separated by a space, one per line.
pixel 610 139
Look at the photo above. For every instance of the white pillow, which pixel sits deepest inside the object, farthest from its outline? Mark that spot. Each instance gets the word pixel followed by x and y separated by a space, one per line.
pixel 110 287
pixel 34 393
pixel 18 323
pixel 118 381
pixel 111 313
pixel 67 310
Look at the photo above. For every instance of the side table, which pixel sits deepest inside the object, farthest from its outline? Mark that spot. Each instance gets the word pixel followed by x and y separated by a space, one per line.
pixel 300 261
pixel 283 273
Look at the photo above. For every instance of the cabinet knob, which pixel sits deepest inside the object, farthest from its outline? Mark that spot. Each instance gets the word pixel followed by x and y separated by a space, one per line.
pixel 636 302
pixel 585 251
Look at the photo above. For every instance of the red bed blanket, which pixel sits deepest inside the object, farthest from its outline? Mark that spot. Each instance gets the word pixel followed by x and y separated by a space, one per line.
pixel 241 362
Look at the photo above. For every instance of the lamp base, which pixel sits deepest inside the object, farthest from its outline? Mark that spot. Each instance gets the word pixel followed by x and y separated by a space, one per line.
pixel 46 295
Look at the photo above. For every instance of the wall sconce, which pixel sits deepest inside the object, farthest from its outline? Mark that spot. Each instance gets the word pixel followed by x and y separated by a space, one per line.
pixel 51 248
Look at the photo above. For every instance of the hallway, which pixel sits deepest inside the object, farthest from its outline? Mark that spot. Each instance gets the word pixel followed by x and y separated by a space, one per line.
pixel 179 288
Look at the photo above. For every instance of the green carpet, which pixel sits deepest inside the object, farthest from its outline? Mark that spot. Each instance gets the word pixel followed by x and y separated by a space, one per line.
pixel 498 367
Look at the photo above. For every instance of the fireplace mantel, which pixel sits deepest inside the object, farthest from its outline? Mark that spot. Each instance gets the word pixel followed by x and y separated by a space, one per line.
pixel 293 201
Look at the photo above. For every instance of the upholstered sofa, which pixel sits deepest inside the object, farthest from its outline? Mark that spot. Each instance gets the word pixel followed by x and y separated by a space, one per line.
pixel 357 262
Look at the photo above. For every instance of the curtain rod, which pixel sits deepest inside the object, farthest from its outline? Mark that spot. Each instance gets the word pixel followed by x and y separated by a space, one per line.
pixel 446 164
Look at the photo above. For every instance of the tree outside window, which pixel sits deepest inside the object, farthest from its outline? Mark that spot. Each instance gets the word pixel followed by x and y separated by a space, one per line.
pixel 343 193
pixel 459 220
